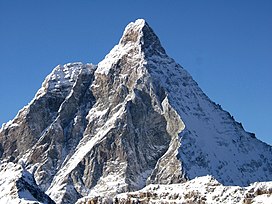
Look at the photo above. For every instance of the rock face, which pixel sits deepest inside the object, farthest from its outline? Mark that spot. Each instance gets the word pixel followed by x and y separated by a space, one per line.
pixel 136 118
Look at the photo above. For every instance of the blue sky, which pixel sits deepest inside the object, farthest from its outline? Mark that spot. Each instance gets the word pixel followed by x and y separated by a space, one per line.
pixel 225 45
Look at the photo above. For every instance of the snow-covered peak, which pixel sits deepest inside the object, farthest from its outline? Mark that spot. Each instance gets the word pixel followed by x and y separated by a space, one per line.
pixel 137 43
pixel 62 78
pixel 138 24
pixel 139 21
pixel 140 33
pixel 138 119
pixel 133 32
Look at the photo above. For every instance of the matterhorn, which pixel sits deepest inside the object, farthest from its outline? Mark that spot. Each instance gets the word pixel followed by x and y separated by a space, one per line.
pixel 134 128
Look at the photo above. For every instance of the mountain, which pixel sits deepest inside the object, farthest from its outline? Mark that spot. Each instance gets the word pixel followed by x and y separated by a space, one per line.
pixel 136 118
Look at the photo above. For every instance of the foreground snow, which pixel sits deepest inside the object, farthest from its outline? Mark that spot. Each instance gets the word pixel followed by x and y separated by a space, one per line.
pixel 204 189
pixel 17 185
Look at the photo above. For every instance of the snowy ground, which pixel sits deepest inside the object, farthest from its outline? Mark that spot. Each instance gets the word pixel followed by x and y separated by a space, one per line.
pixel 199 190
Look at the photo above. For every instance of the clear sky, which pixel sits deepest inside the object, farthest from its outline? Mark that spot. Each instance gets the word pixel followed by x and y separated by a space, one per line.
pixel 225 45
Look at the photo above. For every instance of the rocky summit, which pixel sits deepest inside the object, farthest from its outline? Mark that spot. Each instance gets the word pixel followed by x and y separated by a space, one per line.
pixel 136 119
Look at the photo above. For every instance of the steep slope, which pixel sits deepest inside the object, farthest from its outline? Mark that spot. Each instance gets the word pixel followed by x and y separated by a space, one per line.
pixel 137 118
pixel 212 141
pixel 17 185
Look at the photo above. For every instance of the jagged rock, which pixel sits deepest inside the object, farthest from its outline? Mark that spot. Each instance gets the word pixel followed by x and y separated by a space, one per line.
pixel 136 118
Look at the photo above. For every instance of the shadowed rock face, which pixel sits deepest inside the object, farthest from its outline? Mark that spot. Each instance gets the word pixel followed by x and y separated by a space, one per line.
pixel 136 118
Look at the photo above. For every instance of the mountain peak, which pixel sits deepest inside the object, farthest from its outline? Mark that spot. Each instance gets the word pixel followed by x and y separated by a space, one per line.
pixel 136 118
pixel 137 40
pixel 140 33
pixel 133 31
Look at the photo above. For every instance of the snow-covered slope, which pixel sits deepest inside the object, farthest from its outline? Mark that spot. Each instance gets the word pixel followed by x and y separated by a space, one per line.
pixel 17 185
pixel 136 118
pixel 200 190
pixel 204 189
